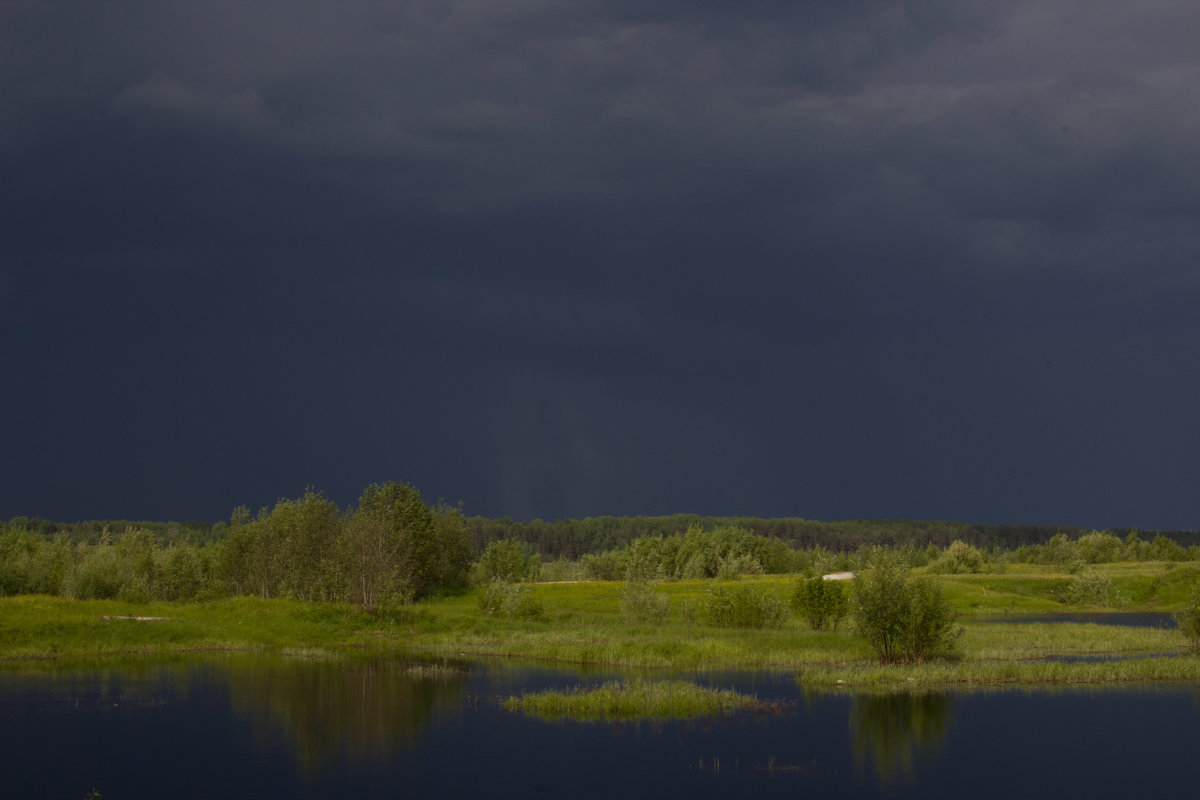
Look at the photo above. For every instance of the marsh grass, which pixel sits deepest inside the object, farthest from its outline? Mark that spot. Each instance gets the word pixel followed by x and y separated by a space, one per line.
pixel 311 653
pixel 1001 673
pixel 434 671
pixel 631 701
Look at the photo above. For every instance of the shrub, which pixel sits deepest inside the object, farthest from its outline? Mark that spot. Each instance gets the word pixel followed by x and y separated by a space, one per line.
pixel 511 601
pixel 563 569
pixel 959 557
pixel 823 604
pixel 1164 549
pixel 1099 548
pixel 1090 587
pixel 732 567
pixel 902 619
pixel 608 566
pixel 641 604
pixel 1188 620
pixel 135 589
pixel 505 559
pixel 695 567
pixel 180 574
pixel 95 576
pixel 741 607
pixel 1059 550
pixel 644 560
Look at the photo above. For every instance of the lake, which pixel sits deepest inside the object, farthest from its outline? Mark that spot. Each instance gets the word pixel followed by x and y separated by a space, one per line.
pixel 267 726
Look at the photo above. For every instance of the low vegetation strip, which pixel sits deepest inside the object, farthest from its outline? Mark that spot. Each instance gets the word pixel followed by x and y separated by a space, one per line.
pixel 624 701
pixel 1003 673
pixel 595 623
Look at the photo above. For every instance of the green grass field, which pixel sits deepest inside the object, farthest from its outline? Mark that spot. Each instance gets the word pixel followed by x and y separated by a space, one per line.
pixel 584 625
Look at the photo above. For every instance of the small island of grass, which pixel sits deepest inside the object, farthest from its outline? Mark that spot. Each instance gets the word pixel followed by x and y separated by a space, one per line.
pixel 631 701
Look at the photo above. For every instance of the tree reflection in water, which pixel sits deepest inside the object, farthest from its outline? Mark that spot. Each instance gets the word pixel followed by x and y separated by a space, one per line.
pixel 890 729
pixel 362 710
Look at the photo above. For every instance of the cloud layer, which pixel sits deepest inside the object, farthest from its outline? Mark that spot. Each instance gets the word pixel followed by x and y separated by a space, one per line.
pixel 863 259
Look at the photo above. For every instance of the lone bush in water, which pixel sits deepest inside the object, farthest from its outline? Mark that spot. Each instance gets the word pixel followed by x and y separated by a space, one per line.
pixel 741 607
pixel 902 619
pixel 823 604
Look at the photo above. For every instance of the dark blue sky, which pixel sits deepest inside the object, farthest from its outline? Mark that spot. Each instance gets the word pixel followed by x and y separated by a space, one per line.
pixel 924 259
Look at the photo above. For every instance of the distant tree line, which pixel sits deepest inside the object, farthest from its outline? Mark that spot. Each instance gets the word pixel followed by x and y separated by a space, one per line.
pixel 728 551
pixel 571 539
pixel 97 530
pixel 574 538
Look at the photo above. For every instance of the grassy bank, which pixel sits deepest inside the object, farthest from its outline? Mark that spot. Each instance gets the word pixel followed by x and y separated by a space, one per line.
pixel 1002 673
pixel 583 624
pixel 37 627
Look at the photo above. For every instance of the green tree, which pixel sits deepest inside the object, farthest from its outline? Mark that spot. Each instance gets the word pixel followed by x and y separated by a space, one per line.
pixel 1090 587
pixel 959 557
pixel 180 573
pixel 400 549
pixel 1099 548
pixel 243 561
pixel 504 559
pixel 453 545
pixel 306 534
pixel 641 604
pixel 823 604
pixel 741 607
pixel 902 619
pixel 383 539
pixel 1189 619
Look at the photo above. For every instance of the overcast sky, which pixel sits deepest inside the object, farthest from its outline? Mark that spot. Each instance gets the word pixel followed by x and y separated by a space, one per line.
pixel 936 259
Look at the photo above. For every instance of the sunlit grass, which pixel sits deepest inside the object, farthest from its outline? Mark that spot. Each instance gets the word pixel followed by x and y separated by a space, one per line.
pixel 584 626
pixel 54 627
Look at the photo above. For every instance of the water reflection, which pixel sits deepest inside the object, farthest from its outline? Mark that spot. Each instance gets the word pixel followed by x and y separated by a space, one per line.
pixel 364 710
pixel 264 726
pixel 890 729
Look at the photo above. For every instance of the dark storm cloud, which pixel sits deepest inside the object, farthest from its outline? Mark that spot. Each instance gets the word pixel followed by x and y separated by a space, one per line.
pixel 833 259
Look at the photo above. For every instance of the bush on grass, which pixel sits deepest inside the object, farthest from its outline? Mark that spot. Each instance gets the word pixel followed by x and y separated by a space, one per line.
pixel 641 604
pixel 821 603
pixel 959 558
pixel 740 607
pixel 506 600
pixel 1188 620
pixel 1090 587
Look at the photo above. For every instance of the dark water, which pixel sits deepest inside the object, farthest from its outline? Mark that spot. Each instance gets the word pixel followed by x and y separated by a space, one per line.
pixel 1132 619
pixel 271 727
